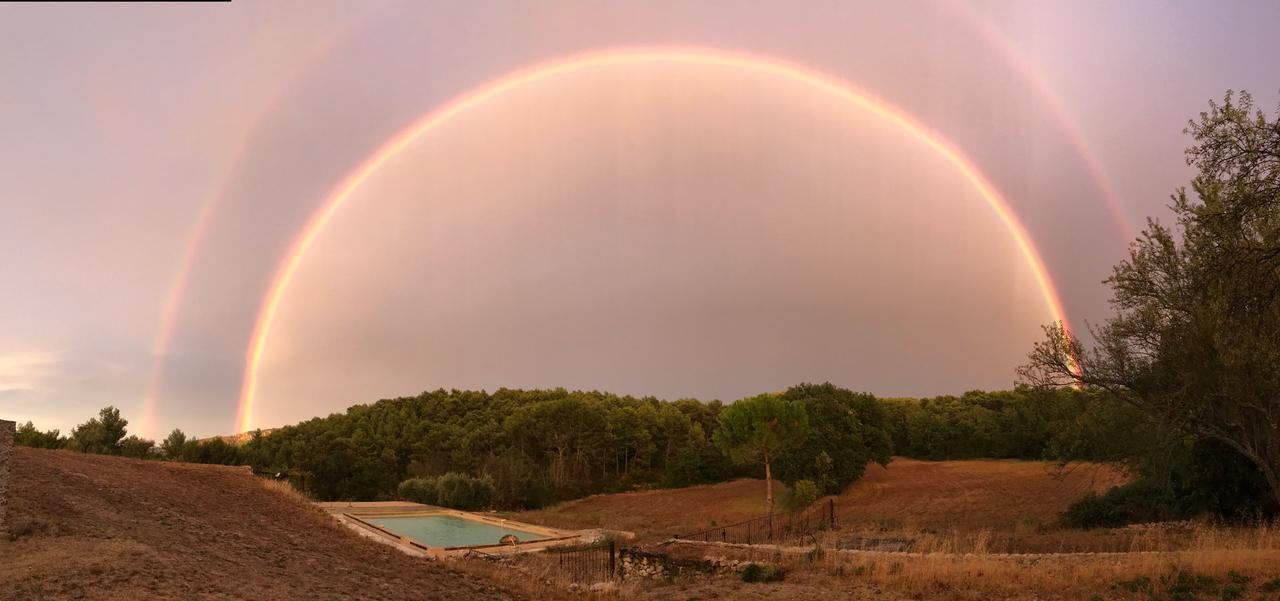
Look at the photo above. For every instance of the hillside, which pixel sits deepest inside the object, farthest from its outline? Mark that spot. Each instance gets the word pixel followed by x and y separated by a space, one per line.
pixel 90 526
pixel 1007 499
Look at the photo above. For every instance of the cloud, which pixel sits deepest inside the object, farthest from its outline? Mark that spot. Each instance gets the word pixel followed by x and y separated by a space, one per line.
pixel 26 371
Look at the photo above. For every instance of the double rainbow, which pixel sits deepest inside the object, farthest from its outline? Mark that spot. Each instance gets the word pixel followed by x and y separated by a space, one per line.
pixel 782 70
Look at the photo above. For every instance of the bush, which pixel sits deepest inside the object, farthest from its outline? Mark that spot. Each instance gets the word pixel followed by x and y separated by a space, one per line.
pixel 754 572
pixel 138 448
pixel 419 490
pixel 28 436
pixel 1132 503
pixel 453 490
pixel 461 491
pixel 803 494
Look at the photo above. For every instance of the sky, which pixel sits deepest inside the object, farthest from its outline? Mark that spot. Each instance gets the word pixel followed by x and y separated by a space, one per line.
pixel 662 224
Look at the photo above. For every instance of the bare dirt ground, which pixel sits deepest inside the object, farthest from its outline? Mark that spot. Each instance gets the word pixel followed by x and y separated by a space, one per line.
pixel 1015 503
pixel 93 527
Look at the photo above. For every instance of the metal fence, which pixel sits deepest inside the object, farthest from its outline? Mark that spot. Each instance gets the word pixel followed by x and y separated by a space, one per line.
pixel 593 562
pixel 773 528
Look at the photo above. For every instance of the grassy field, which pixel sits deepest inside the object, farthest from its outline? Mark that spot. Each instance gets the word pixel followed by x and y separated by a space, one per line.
pixel 1011 505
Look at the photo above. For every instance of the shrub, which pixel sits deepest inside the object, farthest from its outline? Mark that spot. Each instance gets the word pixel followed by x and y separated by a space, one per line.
pixel 28 436
pixel 461 491
pixel 1132 503
pixel 419 490
pixel 803 494
pixel 454 490
pixel 138 448
pixel 754 572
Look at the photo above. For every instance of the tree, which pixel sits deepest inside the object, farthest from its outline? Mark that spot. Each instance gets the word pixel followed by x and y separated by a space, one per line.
pixel 101 434
pixel 1195 339
pixel 138 448
pixel 28 436
pixel 173 444
pixel 758 429
pixel 848 430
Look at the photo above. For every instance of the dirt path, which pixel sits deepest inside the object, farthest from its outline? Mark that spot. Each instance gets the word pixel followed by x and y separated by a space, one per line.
pixel 92 527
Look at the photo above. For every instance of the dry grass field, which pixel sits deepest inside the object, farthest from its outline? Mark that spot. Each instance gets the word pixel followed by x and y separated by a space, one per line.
pixel 1012 505
pixel 981 530
pixel 94 527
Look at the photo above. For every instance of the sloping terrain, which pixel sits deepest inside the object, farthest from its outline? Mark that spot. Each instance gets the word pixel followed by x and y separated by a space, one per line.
pixel 1003 497
pixel 94 527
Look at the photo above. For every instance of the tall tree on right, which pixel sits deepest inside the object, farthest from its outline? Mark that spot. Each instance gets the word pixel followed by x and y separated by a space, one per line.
pixel 1195 339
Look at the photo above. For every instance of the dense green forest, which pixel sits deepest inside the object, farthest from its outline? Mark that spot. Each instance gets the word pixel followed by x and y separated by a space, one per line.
pixel 529 448
pixel 535 447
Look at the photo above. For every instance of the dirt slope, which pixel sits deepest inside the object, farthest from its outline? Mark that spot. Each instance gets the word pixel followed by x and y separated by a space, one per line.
pixel 98 527
pixel 1002 496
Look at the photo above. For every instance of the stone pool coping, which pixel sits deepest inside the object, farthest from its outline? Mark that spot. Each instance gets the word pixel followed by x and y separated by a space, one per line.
pixel 352 514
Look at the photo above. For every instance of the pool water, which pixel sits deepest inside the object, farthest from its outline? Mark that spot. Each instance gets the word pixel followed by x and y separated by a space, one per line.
pixel 449 530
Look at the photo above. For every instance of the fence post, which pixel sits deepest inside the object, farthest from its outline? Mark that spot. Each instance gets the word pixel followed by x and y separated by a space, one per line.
pixel 613 561
pixel 831 513
pixel 770 524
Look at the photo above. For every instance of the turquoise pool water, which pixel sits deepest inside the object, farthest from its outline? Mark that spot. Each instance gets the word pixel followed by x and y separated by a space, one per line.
pixel 449 530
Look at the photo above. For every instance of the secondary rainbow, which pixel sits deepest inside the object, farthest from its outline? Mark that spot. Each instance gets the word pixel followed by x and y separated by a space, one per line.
pixel 784 70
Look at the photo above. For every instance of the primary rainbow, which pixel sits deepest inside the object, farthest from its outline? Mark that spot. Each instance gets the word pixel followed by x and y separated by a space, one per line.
pixel 699 56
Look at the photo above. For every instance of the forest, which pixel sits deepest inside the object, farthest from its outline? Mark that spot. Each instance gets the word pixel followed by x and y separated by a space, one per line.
pixel 540 446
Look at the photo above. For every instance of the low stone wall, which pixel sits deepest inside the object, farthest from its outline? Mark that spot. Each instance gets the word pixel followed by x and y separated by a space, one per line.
pixel 634 564
pixel 6 455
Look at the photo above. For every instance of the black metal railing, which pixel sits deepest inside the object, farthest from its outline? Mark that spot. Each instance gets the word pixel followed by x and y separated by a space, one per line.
pixel 773 528
pixel 592 562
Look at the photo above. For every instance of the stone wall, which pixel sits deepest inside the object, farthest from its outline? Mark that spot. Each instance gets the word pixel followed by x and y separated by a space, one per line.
pixel 634 564
pixel 6 455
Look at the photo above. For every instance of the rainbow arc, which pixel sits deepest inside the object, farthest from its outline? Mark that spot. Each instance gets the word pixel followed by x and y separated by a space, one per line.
pixel 784 71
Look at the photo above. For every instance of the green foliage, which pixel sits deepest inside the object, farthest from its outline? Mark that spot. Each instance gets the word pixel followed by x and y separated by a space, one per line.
pixel 173 444
pixel 419 490
pixel 535 446
pixel 28 436
pixel 803 494
pixel 214 450
pixel 847 430
pixel 101 434
pixel 754 572
pixel 698 463
pixel 760 428
pixel 138 448
pixel 1193 340
pixel 461 491
pixel 1024 423
pixel 1180 480
pixel 1136 502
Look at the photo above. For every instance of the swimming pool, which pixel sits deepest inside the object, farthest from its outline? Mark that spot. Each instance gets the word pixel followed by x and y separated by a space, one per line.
pixel 439 530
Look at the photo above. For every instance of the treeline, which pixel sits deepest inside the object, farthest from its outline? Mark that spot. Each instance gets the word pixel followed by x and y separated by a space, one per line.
pixel 1023 423
pixel 537 446
pixel 108 434
pixel 529 448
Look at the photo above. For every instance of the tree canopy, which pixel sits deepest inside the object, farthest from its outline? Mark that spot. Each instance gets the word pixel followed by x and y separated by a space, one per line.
pixel 758 429
pixel 1194 343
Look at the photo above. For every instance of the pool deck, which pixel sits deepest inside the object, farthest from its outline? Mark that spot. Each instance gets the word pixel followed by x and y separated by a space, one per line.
pixel 353 515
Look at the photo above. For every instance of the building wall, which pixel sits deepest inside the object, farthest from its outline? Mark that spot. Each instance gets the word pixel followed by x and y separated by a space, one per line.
pixel 6 454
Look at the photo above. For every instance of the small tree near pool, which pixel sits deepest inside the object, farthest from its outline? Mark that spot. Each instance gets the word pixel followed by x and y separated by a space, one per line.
pixel 757 429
